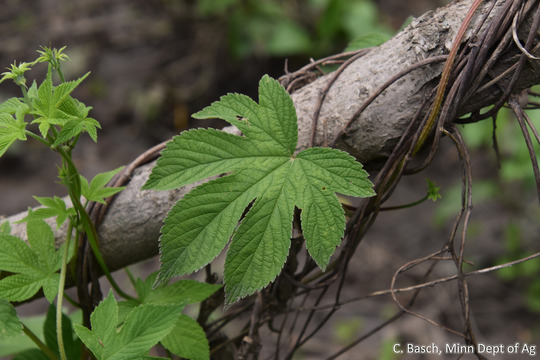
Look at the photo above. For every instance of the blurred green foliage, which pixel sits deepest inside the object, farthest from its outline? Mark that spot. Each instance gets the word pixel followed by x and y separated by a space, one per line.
pixel 286 28
pixel 525 274
pixel 347 330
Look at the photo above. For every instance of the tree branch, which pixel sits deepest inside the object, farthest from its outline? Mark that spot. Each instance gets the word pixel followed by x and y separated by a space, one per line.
pixel 129 231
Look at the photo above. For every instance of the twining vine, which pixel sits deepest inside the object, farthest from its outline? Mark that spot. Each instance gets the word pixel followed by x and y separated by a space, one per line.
pixel 289 306
pixel 469 76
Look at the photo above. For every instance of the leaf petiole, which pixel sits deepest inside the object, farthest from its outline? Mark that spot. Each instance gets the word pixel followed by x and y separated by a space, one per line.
pixel 38 138
pixel 405 206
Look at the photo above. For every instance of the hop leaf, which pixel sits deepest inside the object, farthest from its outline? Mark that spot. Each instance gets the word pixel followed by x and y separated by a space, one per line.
pixel 264 174
pixel 35 264
pixel 144 327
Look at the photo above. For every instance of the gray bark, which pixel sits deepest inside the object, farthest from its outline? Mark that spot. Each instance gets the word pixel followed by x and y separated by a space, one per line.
pixel 130 230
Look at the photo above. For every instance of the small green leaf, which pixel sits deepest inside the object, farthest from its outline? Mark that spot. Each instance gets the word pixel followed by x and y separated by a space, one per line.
pixel 62 91
pixel 433 191
pixel 367 40
pixel 75 127
pixel 10 325
pixel 10 131
pixel 104 321
pixel 187 340
pixel 35 263
pixel 144 327
pixel 263 173
pixel 52 207
pixel 97 190
pixel 80 122
pixel 49 99
pixel 33 92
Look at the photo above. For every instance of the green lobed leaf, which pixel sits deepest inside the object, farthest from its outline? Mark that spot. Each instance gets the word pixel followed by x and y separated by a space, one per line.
pixel 76 126
pixel 10 325
pixel 11 105
pixel 263 173
pixel 32 92
pixel 41 240
pixel 50 286
pixel 104 321
pixel 16 256
pixel 53 207
pixel 198 154
pixel 80 122
pixel 62 91
pixel 20 287
pixel 433 190
pixel 187 340
pixel 144 327
pixel 182 292
pixel 10 131
pixel 97 190
pixel 48 101
pixel 35 263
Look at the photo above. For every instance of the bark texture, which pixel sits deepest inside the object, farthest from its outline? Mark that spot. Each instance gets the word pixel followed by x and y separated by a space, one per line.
pixel 130 230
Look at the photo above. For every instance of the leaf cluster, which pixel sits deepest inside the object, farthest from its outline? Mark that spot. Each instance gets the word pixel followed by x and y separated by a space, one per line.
pixel 60 117
pixel 120 329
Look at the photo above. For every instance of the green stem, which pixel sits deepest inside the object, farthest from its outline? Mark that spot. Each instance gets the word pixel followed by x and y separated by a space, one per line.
pixel 39 343
pixel 74 191
pixel 130 276
pixel 38 138
pixel 61 286
pixel 405 206
pixel 72 301
pixel 60 74
pixel 26 98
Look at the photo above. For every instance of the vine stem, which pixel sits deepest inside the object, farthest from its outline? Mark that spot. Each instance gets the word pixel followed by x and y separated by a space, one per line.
pixel 405 206
pixel 86 222
pixel 60 298
pixel 39 343
pixel 445 76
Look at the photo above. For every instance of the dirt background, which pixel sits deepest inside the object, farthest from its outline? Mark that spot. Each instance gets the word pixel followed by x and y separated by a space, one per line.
pixel 155 63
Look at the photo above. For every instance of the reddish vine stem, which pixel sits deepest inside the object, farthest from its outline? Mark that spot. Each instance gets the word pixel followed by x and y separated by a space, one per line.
pixel 445 76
